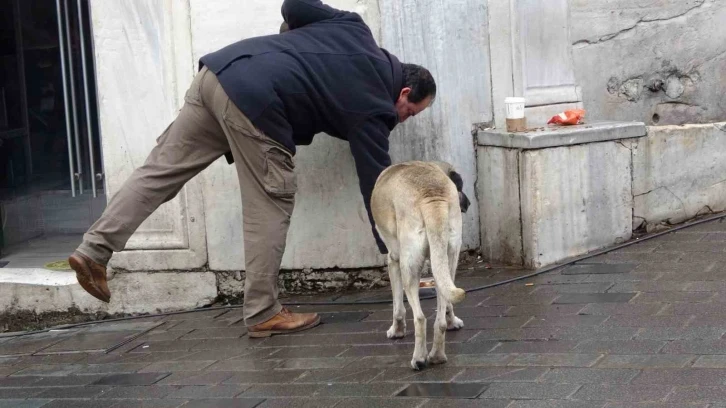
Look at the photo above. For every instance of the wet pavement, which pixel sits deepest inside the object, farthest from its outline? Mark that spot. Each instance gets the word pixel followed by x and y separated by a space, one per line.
pixel 639 327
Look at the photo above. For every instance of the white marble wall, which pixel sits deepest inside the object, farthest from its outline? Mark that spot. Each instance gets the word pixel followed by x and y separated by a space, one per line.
pixel 532 58
pixel 143 66
pixel 330 228
pixel 450 39
pixel 551 204
pixel 574 200
pixel 679 172
pixel 661 62
pixel 547 71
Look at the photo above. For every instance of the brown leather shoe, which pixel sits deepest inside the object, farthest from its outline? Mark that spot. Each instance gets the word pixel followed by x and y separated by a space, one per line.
pixel 284 322
pixel 91 276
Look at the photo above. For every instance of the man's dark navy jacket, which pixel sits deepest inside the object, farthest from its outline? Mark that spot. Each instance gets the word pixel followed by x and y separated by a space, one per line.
pixel 326 74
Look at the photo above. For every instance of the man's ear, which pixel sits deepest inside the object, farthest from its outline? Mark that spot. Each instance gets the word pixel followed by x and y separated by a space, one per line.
pixel 404 92
pixel 284 27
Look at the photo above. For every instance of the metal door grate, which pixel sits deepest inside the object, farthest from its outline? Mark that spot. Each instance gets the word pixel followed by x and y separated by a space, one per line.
pixel 78 101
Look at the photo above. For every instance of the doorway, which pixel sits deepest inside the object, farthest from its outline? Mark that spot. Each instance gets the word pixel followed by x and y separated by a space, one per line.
pixel 51 170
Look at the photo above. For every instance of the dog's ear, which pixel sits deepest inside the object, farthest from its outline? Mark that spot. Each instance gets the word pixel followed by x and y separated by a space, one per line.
pixel 463 201
pixel 458 181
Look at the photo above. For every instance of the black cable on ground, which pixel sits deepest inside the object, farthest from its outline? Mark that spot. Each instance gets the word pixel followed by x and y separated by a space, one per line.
pixel 383 302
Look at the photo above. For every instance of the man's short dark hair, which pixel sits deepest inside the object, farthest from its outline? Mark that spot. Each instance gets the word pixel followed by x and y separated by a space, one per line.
pixel 421 82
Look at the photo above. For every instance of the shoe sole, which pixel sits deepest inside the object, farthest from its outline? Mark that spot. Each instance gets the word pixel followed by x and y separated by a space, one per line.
pixel 269 333
pixel 85 279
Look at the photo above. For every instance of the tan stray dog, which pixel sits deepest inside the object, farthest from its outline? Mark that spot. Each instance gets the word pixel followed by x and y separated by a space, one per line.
pixel 417 208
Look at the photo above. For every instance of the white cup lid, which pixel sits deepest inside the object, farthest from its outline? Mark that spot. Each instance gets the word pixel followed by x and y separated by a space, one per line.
pixel 513 100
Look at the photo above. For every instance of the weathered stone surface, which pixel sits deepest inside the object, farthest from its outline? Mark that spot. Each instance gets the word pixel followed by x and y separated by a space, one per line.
pixel 574 199
pixel 136 292
pixel 590 132
pixel 542 206
pixel 660 62
pixel 678 173
pixel 461 66
pixel 231 284
pixel 329 227
pixel 499 204
pixel 172 238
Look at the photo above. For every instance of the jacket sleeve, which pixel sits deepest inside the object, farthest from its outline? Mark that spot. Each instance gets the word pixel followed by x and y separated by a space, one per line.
pixel 369 146
pixel 299 13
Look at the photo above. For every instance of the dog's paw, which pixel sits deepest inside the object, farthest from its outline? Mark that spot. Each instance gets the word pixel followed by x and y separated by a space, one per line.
pixel 438 358
pixel 418 364
pixel 396 332
pixel 455 324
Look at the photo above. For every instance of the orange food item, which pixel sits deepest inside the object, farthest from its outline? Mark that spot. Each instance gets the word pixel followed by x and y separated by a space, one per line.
pixel 568 117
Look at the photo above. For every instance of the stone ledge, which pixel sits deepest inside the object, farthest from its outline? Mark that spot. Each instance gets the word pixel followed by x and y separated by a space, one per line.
pixel 552 136
pixel 139 292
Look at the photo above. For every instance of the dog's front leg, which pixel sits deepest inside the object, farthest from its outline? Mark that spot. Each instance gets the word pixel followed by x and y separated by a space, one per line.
pixel 398 328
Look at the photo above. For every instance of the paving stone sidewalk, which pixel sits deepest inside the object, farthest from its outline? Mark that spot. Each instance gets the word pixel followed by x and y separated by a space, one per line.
pixel 640 327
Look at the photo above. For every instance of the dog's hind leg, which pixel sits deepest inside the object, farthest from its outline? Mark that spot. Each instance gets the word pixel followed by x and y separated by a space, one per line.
pixel 453 323
pixel 438 354
pixel 411 262
pixel 398 328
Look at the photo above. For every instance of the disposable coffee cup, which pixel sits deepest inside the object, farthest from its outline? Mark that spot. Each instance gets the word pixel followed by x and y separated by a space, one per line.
pixel 516 122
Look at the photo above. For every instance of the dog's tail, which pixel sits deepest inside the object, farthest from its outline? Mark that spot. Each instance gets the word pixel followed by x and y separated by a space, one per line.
pixel 436 220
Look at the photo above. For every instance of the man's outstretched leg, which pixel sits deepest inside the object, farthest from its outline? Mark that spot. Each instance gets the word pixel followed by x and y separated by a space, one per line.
pixel 190 144
pixel 267 182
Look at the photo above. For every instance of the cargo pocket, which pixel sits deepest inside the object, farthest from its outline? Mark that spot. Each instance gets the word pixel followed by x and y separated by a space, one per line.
pixel 280 180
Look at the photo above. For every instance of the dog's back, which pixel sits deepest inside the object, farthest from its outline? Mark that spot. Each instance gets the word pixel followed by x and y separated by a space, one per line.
pixel 417 209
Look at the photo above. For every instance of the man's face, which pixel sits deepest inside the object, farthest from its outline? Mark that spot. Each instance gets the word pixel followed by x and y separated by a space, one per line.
pixel 406 108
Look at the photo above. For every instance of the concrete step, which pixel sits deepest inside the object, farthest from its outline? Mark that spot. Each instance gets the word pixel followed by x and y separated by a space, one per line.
pixel 40 290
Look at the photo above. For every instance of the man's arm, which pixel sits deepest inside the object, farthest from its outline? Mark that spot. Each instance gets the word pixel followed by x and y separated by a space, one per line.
pixel 299 13
pixel 369 145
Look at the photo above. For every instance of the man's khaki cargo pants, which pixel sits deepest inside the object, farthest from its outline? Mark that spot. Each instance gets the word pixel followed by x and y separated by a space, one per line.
pixel 208 126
